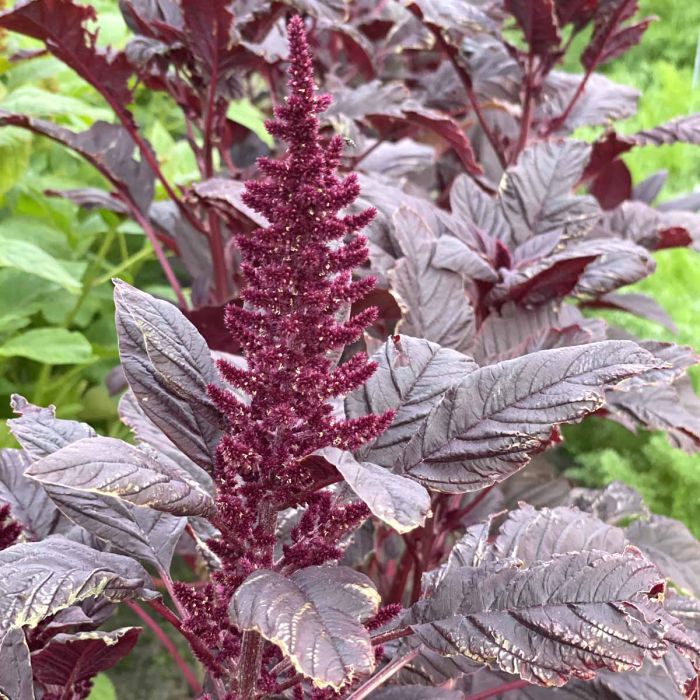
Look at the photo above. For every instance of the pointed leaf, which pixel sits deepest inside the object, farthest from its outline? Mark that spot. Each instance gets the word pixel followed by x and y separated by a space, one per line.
pixel 168 366
pixel 29 503
pixel 141 533
pixel 536 194
pixel 538 535
pixel 672 547
pixel 111 467
pixel 401 503
pixel 612 504
pixel 314 616
pixel 553 621
pixel 485 428
pixel 469 203
pixel 16 681
pixel 70 659
pixel 38 579
pixel 411 377
pixel 452 254
pixel 538 22
pixel 39 431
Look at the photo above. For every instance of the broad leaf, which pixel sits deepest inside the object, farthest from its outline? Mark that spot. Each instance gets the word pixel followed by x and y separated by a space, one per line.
pixel 672 547
pixel 411 377
pixel 52 346
pixel 485 428
pixel 538 535
pixel 107 147
pixel 536 194
pixel 415 692
pixel 111 467
pixel 38 430
pixel 538 22
pixel 38 579
pixel 142 533
pixel 452 254
pixel 315 617
pixel 471 204
pixel 71 659
pixel 433 300
pixel 168 366
pixel 401 503
pixel 28 500
pixel 638 304
pixel 16 681
pixel 612 504
pixel 505 617
pixel 30 258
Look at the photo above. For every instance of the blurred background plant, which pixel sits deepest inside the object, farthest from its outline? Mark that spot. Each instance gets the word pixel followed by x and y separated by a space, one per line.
pixel 664 68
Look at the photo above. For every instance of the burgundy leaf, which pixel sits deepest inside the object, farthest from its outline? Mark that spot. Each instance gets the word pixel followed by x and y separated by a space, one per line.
pixel 60 24
pixel 538 21
pixel 610 37
pixel 38 430
pixel 38 579
pixel 638 304
pixel 411 377
pixel 314 616
pixel 612 185
pixel 504 617
pixel 16 681
pixel 536 194
pixel 169 367
pixel 612 504
pixel 111 467
pixel 401 503
pixel 485 428
pixel 107 147
pixel 70 659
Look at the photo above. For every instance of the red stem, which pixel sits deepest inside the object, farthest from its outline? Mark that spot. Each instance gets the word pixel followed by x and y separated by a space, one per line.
pixel 384 675
pixel 393 634
pixel 498 690
pixel 527 111
pixel 163 638
pixel 451 52
pixel 162 259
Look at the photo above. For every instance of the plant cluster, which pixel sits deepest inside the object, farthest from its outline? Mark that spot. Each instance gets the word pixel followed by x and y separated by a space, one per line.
pixel 338 449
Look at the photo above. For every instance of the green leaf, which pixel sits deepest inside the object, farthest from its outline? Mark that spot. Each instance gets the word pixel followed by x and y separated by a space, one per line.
pixel 15 147
pixel 29 258
pixel 36 102
pixel 245 113
pixel 53 346
pixel 102 688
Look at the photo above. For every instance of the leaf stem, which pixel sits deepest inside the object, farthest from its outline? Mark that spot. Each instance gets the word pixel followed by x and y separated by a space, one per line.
pixel 391 635
pixel 163 638
pixel 498 690
pixel 384 675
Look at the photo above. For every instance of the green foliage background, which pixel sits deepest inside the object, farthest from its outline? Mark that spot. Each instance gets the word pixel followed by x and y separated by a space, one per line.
pixel 661 68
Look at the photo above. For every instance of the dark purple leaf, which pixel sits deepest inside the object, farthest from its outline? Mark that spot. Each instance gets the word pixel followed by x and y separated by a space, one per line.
pixel 91 198
pixel 613 185
pixel 538 535
pixel 60 24
pixel 514 331
pixel 401 503
pixel 648 189
pixel 672 547
pixel 141 533
pixel 411 377
pixel 638 304
pixel 612 504
pixel 536 194
pixel 39 579
pixel 433 300
pixel 147 434
pixel 38 430
pixel 315 617
pixel 485 428
pixel 452 254
pixel 658 408
pixel 107 147
pixel 29 502
pixel 470 204
pixel 415 692
pixel 168 366
pixel 538 21
pixel 111 467
pixel 611 37
pixel 506 618
pixel 679 130
pixel 70 659
pixel 226 194
pixel 15 668
pixel 601 101
pixel 652 682
pixel 454 17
